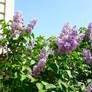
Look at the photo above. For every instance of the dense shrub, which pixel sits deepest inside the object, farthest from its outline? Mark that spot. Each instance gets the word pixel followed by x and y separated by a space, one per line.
pixel 55 64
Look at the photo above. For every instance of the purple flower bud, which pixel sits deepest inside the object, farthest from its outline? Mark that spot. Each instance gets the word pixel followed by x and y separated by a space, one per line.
pixel 80 37
pixel 36 71
pixel 29 47
pixel 41 64
pixel 74 45
pixel 89 88
pixel 66 28
pixel 88 57
pixel 51 51
pixel 74 31
pixel 33 43
pixel 67 45
pixel 31 25
pixel 39 68
pixel 1 38
pixel 43 50
pixel 90 25
pixel 48 42
pixel 89 33
pixel 28 54
pixel 86 53
pixel 18 13
pixel 41 55
pixel 15 33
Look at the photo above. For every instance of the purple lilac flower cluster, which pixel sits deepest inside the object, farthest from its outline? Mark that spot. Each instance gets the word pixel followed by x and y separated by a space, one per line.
pixel 40 66
pixel 48 42
pixel 87 55
pixel 17 26
pixel 89 32
pixel 68 39
pixel 89 88
pixel 31 25
pixel 44 54
pixel 32 46
pixel 37 69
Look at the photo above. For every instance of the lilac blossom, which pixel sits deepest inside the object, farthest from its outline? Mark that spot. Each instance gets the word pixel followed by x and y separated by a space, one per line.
pixel 18 21
pixel 68 40
pixel 87 55
pixel 16 32
pixel 17 26
pixel 43 50
pixel 89 32
pixel 48 42
pixel 65 30
pixel 44 53
pixel 18 18
pixel 38 68
pixel 89 88
pixel 31 25
pixel 50 52
pixel 0 41
pixel 30 47
pixel 33 43
pixel 80 38
pixel 43 56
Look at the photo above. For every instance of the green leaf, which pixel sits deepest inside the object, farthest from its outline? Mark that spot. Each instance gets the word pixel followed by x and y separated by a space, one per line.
pixel 4 41
pixel 16 37
pixel 53 67
pixel 48 86
pixel 75 55
pixel 40 87
pixel 23 77
pixel 89 80
pixel 31 78
pixel 83 87
pixel 63 83
pixel 72 88
pixel 44 83
pixel 15 75
pixel 10 21
pixel 26 35
pixel 1 20
pixel 59 83
pixel 69 73
pixel 32 35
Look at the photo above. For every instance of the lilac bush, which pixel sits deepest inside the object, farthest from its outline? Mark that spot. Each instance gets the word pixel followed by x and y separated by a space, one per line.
pixel 37 64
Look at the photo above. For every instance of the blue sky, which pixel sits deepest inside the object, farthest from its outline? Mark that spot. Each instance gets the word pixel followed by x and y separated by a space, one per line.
pixel 52 14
